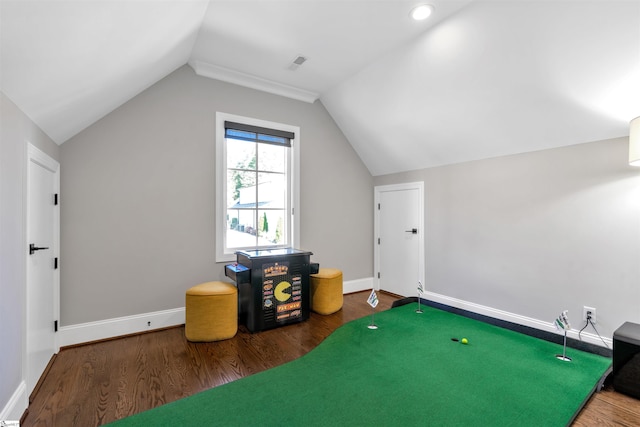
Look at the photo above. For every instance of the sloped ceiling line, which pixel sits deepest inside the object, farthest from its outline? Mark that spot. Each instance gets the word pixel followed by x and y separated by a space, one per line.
pixel 479 79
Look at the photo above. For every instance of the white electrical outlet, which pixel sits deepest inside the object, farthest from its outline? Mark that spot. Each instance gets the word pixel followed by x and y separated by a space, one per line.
pixel 591 311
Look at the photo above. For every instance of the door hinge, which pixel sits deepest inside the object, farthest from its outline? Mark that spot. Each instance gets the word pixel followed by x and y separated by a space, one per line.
pixel 55 199
pixel 55 263
pixel 55 326
pixel 378 206
pixel 378 274
pixel 378 240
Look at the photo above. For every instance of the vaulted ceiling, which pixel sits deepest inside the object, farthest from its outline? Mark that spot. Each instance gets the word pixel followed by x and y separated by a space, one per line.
pixel 478 79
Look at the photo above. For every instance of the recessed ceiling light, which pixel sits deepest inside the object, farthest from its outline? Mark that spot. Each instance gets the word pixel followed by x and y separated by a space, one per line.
pixel 421 12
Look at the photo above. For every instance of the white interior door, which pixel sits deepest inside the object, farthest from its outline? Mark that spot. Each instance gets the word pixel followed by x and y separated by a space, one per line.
pixel 400 238
pixel 42 273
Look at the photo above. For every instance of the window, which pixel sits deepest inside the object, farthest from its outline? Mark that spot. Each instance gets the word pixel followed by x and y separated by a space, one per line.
pixel 257 190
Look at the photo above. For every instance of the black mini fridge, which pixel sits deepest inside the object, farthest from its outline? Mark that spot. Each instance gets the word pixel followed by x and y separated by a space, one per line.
pixel 626 359
pixel 273 287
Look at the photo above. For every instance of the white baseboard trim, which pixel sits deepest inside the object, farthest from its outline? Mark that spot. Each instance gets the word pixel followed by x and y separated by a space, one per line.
pixel 104 329
pixel 514 318
pixel 17 404
pixel 357 285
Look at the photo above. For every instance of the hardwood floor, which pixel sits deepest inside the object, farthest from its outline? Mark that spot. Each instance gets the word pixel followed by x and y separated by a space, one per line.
pixel 97 383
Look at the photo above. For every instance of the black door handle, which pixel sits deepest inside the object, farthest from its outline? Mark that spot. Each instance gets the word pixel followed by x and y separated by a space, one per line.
pixel 412 231
pixel 33 248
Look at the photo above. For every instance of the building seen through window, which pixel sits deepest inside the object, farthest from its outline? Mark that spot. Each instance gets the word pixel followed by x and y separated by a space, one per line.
pixel 257 187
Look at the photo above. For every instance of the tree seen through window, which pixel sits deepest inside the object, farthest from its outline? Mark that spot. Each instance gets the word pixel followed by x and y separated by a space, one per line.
pixel 256 190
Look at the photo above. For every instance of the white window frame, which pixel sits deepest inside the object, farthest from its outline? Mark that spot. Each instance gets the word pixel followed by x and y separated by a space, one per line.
pixel 224 254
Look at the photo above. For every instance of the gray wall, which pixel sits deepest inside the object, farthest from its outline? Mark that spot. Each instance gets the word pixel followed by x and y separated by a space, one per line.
pixel 16 130
pixel 138 204
pixel 537 233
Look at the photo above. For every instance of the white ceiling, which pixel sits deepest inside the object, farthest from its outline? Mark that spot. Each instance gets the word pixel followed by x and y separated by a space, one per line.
pixel 258 40
pixel 478 79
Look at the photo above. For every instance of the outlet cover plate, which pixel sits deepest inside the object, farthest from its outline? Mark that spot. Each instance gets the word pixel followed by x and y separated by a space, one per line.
pixel 585 309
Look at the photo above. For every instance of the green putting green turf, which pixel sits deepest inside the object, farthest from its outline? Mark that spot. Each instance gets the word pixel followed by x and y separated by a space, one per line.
pixel 407 372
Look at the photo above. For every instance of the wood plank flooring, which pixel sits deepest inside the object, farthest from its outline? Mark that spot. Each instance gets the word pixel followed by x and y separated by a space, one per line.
pixel 93 384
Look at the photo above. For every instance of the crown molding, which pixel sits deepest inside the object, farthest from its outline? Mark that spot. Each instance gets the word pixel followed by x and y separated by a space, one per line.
pixel 247 80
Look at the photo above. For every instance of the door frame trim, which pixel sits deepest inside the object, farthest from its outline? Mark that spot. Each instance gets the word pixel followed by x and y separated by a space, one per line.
pixel 39 157
pixel 378 190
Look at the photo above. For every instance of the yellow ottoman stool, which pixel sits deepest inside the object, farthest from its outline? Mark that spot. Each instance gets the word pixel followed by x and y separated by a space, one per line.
pixel 326 291
pixel 211 312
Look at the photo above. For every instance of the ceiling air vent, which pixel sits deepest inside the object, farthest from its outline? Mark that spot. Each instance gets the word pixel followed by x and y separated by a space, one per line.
pixel 298 61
